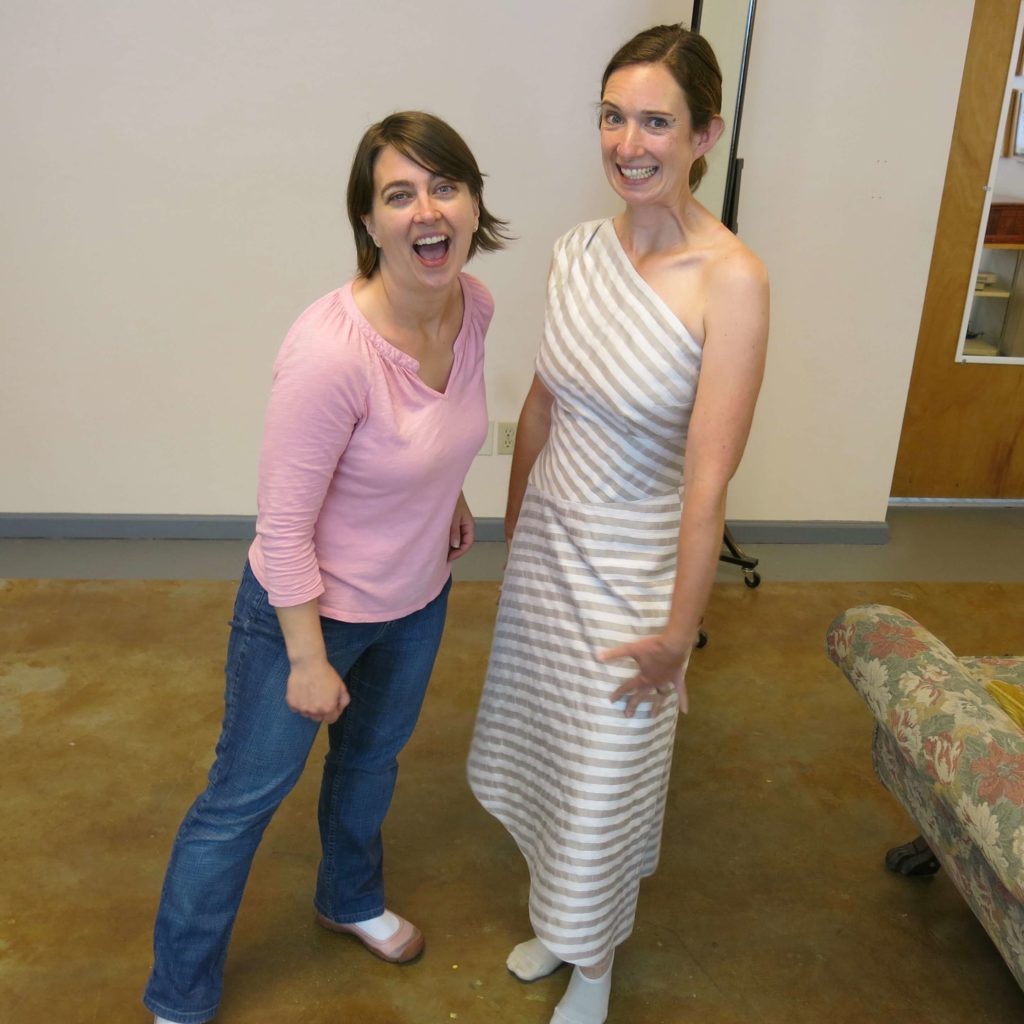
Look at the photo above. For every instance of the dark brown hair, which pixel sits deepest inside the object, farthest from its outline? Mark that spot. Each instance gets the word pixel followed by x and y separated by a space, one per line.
pixel 692 63
pixel 435 146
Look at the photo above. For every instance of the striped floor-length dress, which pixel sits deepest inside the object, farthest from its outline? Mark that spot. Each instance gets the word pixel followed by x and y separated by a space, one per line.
pixel 581 787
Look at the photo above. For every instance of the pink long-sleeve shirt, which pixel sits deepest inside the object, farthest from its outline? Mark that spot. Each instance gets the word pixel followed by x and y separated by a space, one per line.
pixel 362 463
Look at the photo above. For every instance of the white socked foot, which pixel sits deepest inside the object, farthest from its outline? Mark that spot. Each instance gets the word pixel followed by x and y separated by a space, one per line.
pixel 532 960
pixel 585 1000
pixel 381 927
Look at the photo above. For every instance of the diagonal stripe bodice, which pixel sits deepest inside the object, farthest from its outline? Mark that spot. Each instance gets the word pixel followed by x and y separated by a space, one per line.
pixel 623 371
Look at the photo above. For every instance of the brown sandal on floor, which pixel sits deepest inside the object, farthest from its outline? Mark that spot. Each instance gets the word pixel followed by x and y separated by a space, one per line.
pixel 403 947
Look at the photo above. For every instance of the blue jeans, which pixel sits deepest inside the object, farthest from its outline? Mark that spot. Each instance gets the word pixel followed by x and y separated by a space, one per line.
pixel 260 755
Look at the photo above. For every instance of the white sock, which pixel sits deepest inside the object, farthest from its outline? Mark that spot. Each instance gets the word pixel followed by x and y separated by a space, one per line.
pixel 381 927
pixel 532 960
pixel 585 1000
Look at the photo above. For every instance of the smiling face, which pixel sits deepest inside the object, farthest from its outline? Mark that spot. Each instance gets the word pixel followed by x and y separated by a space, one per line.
pixel 423 222
pixel 648 143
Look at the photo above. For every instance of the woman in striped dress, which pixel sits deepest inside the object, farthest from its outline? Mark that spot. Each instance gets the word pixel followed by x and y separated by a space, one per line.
pixel 650 365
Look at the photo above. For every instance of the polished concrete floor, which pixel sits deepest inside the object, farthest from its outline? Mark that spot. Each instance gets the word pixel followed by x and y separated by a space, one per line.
pixel 770 905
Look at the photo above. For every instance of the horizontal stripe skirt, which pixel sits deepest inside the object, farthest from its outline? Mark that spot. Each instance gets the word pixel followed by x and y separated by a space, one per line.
pixel 580 787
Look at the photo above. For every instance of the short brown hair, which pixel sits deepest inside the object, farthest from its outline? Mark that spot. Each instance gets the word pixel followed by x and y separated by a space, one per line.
pixel 692 63
pixel 435 146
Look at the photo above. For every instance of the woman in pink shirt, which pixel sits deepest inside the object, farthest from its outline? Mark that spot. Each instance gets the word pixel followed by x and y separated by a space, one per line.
pixel 376 411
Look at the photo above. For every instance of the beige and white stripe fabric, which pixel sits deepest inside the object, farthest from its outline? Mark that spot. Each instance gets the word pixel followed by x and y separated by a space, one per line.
pixel 580 787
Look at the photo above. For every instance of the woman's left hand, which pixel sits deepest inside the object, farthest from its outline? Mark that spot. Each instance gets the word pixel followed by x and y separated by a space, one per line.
pixel 661 668
pixel 463 530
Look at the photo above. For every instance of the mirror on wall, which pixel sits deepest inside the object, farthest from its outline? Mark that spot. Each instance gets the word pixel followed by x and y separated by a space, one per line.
pixel 993 325
pixel 728 27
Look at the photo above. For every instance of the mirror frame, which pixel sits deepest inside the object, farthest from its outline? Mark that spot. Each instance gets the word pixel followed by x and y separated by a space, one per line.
pixel 734 169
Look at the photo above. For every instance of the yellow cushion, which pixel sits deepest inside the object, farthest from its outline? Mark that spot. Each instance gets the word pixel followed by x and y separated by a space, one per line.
pixel 1010 698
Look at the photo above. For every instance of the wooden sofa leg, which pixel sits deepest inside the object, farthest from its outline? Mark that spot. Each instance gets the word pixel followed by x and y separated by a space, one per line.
pixel 913 859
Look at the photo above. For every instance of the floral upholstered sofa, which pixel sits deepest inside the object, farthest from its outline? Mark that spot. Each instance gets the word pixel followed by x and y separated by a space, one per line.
pixel 950 755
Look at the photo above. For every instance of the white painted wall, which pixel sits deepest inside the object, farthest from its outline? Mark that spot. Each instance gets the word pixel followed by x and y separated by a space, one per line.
pixel 1009 184
pixel 846 135
pixel 1009 180
pixel 176 197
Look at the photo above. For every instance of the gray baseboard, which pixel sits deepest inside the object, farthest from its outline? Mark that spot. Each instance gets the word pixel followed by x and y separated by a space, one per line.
pixel 490 531
pixel 66 526
pixel 757 531
pixel 62 526
pixel 955 503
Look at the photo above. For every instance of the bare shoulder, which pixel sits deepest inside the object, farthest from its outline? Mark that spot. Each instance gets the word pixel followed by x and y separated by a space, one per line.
pixel 735 270
pixel 736 310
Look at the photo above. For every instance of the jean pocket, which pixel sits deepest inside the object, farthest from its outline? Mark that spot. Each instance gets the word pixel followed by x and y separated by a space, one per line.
pixel 253 612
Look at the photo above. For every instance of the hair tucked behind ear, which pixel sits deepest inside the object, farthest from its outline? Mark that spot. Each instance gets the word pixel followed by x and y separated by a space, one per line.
pixel 692 63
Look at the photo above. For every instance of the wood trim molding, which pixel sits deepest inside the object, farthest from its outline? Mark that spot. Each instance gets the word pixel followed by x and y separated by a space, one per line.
pixel 963 435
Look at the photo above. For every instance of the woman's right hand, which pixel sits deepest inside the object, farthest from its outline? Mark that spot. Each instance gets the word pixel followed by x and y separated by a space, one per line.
pixel 316 691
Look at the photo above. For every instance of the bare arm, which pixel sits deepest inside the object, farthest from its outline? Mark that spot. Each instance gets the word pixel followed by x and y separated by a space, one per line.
pixel 736 335
pixel 531 436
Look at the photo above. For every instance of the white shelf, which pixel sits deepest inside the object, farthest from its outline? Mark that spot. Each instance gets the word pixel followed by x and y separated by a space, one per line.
pixel 980 347
pixel 991 293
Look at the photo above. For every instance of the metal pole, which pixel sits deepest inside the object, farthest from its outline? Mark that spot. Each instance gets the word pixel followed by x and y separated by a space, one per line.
pixel 730 204
pixel 698 9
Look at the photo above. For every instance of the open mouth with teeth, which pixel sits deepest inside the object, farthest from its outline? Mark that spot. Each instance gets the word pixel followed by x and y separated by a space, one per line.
pixel 432 251
pixel 637 173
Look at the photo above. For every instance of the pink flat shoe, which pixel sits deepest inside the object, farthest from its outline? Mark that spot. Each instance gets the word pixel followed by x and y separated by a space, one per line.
pixel 404 946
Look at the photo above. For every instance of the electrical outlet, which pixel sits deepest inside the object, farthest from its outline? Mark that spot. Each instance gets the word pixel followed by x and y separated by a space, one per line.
pixel 505 442
pixel 488 446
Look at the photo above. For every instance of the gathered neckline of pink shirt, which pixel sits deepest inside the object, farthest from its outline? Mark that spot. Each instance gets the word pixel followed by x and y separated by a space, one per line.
pixel 396 355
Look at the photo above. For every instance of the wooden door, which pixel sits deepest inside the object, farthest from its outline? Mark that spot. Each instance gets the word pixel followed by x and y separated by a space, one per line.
pixel 963 430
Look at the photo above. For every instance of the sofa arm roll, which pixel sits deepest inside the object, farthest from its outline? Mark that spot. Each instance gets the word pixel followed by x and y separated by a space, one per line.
pixel 944 723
